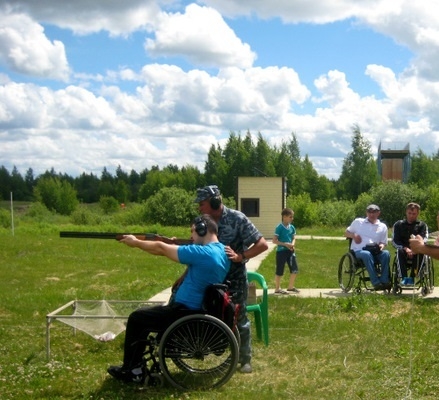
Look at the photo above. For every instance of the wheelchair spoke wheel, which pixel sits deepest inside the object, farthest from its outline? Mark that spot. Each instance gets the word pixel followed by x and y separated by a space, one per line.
pixel 198 352
pixel 429 273
pixel 426 276
pixel 346 272
pixel 395 279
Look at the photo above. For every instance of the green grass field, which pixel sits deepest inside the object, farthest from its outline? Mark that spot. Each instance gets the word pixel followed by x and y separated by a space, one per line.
pixel 361 347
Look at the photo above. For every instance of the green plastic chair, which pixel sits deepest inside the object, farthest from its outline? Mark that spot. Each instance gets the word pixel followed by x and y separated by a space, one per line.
pixel 260 309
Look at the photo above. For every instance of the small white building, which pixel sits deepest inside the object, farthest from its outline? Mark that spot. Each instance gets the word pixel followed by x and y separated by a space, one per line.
pixel 262 199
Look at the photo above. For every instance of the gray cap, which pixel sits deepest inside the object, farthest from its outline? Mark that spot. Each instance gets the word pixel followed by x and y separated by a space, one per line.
pixel 372 207
pixel 207 192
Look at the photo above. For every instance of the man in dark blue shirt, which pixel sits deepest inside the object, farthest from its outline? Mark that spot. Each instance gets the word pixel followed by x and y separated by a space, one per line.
pixel 243 241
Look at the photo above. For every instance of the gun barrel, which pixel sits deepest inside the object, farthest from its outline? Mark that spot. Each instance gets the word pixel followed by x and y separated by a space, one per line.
pixel 119 236
pixel 90 235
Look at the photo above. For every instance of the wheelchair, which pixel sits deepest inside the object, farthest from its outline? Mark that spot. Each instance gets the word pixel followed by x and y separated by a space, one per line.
pixel 422 275
pixel 352 273
pixel 196 352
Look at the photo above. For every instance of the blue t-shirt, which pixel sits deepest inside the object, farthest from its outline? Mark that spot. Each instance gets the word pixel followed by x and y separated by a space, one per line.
pixel 285 234
pixel 207 264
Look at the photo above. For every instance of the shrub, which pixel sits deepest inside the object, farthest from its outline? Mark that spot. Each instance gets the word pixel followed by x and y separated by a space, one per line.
pixel 392 197
pixel 108 204
pixel 132 215
pixel 170 206
pixel 336 213
pixel 56 195
pixel 38 212
pixel 83 216
pixel 5 218
pixel 229 202
pixel 361 203
pixel 305 212
pixel 432 208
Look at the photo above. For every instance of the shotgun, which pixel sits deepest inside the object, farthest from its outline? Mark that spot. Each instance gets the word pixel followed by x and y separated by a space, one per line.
pixel 119 236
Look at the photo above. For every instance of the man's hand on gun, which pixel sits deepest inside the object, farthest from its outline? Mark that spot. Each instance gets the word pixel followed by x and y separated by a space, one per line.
pixel 129 240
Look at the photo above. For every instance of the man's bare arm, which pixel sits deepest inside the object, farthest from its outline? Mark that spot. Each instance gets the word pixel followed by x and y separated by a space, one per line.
pixel 156 248
pixel 419 247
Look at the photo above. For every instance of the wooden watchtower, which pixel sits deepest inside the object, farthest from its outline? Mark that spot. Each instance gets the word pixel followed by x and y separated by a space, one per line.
pixel 394 162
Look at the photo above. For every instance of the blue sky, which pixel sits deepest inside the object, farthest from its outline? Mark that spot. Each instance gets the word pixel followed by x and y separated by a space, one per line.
pixel 85 86
pixel 312 49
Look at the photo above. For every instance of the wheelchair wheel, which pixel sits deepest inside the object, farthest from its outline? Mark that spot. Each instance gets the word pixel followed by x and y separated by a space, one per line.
pixel 154 380
pixel 346 272
pixel 394 278
pixel 429 274
pixel 198 352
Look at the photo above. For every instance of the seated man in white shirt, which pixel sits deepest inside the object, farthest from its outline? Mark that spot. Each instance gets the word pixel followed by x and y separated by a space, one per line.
pixel 368 231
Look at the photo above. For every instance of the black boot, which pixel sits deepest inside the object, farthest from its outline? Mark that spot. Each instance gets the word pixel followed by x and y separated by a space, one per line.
pixel 126 375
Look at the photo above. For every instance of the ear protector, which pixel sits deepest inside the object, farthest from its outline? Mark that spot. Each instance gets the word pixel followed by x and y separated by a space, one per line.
pixel 215 199
pixel 200 226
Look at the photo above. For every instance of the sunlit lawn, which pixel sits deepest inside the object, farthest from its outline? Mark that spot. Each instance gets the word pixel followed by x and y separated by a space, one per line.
pixel 360 347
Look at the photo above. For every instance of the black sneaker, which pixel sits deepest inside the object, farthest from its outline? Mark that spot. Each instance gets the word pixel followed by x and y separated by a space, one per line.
pixel 125 375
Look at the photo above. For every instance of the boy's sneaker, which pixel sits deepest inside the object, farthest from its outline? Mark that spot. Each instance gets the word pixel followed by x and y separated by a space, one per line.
pixel 126 375
pixel 294 290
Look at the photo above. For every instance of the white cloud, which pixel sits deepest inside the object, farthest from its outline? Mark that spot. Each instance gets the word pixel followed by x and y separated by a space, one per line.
pixel 25 49
pixel 85 16
pixel 411 97
pixel 296 11
pixel 174 114
pixel 235 98
pixel 201 35
pixel 414 25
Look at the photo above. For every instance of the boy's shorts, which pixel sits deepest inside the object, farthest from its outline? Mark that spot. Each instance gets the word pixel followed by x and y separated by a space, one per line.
pixel 286 257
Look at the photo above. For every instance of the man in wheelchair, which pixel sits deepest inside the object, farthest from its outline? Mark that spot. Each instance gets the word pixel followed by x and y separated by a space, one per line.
pixel 369 237
pixel 402 231
pixel 207 263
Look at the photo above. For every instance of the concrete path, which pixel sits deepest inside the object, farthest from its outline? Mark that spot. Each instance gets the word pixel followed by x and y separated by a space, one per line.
pixel 335 293
pixel 254 263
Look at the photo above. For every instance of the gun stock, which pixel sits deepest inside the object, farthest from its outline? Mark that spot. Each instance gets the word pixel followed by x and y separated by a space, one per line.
pixel 119 236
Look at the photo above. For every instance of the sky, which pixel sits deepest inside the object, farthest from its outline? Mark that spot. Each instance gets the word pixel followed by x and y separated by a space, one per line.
pixel 91 84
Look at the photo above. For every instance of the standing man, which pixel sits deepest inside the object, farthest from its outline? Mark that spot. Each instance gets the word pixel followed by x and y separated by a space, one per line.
pixel 371 231
pixel 244 241
pixel 402 230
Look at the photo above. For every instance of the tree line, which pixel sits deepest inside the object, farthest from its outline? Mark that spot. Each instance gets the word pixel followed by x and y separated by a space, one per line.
pixel 242 155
